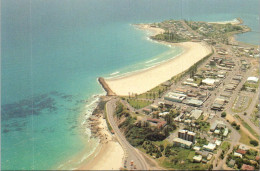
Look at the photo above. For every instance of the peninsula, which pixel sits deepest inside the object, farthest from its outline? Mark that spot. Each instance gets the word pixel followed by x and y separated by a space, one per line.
pixel 198 110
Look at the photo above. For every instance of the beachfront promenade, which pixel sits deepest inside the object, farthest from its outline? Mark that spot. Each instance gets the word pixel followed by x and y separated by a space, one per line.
pixel 131 154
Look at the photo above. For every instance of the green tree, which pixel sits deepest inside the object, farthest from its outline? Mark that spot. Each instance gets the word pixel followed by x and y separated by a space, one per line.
pixel 254 142
pixel 238 127
pixel 161 148
pixel 223 114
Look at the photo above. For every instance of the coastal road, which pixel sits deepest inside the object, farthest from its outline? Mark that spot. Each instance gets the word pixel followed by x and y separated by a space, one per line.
pixel 131 154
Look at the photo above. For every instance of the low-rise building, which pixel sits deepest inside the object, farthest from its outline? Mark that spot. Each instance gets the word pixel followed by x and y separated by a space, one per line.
pixel 225 132
pixel 209 81
pixel 217 131
pixel 218 142
pixel 218 104
pixel 194 102
pixel 247 167
pixel 157 122
pixel 195 114
pixel 210 147
pixel 196 148
pixel 209 157
pixel 243 147
pixel 238 155
pixel 154 107
pixel 175 97
pixel 163 113
pixel 217 124
pixel 252 79
pixel 243 152
pixel 197 158
pixel 182 143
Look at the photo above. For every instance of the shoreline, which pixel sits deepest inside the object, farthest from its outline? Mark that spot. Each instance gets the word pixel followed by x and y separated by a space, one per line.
pixel 236 21
pixel 109 152
pixel 144 80
pixel 100 157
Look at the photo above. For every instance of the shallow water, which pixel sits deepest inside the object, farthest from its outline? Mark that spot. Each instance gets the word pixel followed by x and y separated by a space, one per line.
pixel 54 51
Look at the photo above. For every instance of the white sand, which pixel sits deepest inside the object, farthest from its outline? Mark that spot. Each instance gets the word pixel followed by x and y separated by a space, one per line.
pixel 108 158
pixel 109 155
pixel 234 22
pixel 145 80
pixel 152 30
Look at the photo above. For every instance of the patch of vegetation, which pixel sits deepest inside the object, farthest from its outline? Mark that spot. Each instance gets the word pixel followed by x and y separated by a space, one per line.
pixel 170 37
pixel 137 132
pixel 254 142
pixel 201 141
pixel 138 104
pixel 245 139
pixel 203 125
pixel 223 114
pixel 255 116
pixel 250 155
pixel 181 159
pixel 225 146
pixel 247 127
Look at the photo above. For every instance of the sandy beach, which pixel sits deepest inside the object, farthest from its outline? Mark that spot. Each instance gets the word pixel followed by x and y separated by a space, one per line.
pixel 109 155
pixel 152 30
pixel 234 22
pixel 143 81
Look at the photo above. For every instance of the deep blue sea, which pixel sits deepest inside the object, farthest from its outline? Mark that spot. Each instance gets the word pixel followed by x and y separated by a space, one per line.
pixel 52 53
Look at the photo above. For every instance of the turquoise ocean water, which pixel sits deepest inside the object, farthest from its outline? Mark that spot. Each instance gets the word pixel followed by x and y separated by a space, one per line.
pixel 52 53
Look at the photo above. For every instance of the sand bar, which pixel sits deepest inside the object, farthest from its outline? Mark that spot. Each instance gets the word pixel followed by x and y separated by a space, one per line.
pixel 145 80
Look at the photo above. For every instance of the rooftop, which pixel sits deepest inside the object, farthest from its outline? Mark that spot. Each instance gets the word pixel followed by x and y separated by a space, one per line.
pixel 253 79
pixel 247 167
pixel 179 140
pixel 196 113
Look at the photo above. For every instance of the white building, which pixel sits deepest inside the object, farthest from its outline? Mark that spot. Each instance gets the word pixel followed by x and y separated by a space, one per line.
pixel 197 158
pixel 209 81
pixel 238 155
pixel 210 147
pixel 252 79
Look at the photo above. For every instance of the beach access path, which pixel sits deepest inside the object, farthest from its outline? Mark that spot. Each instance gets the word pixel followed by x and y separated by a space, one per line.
pixel 131 154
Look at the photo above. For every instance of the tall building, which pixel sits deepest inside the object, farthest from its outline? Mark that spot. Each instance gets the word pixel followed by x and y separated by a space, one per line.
pixel 187 135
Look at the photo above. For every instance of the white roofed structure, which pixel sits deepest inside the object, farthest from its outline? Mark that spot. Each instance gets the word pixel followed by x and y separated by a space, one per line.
pixel 252 79
pixel 209 81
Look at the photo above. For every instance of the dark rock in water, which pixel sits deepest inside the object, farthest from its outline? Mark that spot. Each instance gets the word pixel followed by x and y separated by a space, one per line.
pixel 19 129
pixel 6 131
pixel 27 107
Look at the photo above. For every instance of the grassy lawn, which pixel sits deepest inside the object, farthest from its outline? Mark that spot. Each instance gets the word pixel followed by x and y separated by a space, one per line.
pixel 181 160
pixel 198 81
pixel 151 94
pixel 164 143
pixel 225 145
pixel 251 85
pixel 138 104
pixel 204 126
pixel 245 139
pixel 255 120
pixel 247 127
